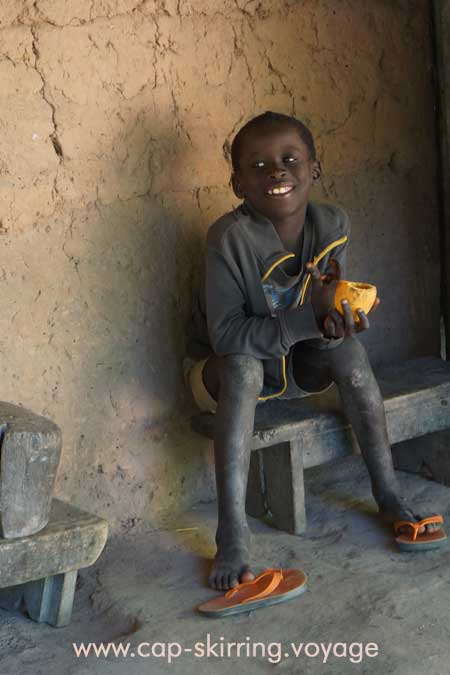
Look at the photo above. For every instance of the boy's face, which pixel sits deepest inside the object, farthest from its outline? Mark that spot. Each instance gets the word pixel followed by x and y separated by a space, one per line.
pixel 275 172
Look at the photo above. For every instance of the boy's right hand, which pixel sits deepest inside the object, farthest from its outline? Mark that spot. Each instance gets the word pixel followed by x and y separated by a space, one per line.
pixel 323 290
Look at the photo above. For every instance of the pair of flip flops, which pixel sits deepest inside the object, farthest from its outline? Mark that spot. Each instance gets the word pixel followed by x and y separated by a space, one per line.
pixel 277 585
pixel 269 588
pixel 420 541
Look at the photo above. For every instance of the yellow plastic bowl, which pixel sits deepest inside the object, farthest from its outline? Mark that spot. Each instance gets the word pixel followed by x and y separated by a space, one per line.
pixel 359 295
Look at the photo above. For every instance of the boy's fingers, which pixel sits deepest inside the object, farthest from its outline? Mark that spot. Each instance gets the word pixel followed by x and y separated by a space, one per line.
pixel 363 321
pixel 328 278
pixel 329 327
pixel 376 302
pixel 348 318
pixel 313 270
pixel 338 322
pixel 335 272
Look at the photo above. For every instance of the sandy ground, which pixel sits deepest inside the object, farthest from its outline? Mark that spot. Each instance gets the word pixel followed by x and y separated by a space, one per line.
pixel 361 589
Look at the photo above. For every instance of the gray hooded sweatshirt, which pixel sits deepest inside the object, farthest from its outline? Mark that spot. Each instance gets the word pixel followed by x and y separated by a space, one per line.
pixel 236 312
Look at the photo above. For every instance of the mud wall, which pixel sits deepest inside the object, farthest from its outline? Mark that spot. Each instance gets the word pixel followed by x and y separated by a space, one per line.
pixel 115 120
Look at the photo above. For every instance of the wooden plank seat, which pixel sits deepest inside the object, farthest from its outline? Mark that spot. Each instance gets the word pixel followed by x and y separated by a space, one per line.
pixel 41 569
pixel 290 436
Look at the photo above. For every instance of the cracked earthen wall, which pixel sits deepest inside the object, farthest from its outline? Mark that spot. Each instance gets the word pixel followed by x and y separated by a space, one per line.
pixel 114 117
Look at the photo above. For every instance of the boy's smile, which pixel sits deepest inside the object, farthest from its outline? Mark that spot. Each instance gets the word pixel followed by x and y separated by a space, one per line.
pixel 275 174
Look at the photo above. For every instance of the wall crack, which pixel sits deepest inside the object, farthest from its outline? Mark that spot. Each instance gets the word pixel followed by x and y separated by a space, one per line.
pixel 54 135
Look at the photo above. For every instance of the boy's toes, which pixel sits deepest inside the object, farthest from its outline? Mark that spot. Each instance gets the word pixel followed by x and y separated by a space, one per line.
pixel 433 527
pixel 247 576
pixel 222 582
pixel 215 579
pixel 233 580
pixel 418 517
pixel 430 527
pixel 225 576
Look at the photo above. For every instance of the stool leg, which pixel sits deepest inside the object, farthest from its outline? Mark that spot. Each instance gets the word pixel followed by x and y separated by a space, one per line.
pixel 285 490
pixel 50 600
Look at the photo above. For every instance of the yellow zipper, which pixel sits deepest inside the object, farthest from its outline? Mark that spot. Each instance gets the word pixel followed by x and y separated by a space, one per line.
pixel 317 259
pixel 275 264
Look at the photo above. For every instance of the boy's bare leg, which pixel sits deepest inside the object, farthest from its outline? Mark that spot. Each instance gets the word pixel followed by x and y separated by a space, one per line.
pixel 235 382
pixel 347 364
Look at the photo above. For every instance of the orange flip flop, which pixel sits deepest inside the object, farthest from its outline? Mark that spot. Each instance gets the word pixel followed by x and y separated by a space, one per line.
pixel 269 588
pixel 420 541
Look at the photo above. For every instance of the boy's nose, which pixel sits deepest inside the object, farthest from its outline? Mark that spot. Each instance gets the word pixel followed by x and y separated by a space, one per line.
pixel 277 171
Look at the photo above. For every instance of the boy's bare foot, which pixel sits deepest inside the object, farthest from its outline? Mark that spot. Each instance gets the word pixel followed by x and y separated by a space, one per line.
pixel 231 566
pixel 393 508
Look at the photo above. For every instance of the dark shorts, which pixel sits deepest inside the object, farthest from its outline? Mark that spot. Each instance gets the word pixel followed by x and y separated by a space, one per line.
pixel 193 371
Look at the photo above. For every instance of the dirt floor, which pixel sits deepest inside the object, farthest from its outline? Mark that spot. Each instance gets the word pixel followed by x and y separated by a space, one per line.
pixel 361 589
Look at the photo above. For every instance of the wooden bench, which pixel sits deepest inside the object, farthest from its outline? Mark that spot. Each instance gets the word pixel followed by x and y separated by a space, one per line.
pixel 290 436
pixel 41 569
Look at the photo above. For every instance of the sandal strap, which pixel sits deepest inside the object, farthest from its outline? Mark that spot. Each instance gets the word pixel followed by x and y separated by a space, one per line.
pixel 429 520
pixel 275 578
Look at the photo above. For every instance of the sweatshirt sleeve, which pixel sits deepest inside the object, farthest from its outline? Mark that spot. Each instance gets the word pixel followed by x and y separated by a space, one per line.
pixel 232 331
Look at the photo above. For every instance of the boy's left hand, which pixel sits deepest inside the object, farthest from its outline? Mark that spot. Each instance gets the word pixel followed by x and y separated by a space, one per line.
pixel 336 325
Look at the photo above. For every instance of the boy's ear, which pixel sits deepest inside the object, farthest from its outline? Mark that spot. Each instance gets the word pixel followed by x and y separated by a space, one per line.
pixel 236 187
pixel 316 172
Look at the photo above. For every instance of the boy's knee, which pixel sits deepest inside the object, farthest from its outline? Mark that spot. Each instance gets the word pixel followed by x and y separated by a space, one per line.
pixel 243 371
pixel 351 362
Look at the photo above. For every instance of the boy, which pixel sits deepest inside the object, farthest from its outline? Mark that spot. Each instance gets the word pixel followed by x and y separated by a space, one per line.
pixel 266 324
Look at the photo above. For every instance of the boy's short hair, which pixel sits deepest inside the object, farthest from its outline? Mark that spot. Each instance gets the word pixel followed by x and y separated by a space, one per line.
pixel 266 119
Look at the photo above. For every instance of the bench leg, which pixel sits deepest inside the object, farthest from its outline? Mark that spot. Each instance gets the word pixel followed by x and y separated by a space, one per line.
pixel 50 600
pixel 11 598
pixel 285 491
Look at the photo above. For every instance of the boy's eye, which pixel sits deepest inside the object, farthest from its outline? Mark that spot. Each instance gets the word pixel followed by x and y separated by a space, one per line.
pixel 259 164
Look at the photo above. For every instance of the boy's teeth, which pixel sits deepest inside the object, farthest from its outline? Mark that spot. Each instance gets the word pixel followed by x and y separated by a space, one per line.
pixel 279 191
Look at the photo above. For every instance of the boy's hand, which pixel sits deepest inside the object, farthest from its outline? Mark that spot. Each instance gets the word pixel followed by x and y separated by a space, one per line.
pixel 333 271
pixel 323 290
pixel 336 325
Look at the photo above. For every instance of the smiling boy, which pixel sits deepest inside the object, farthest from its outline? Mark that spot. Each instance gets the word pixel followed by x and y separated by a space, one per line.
pixel 266 327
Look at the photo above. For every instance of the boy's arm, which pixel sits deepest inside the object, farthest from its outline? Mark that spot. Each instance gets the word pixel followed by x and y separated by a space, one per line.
pixel 232 331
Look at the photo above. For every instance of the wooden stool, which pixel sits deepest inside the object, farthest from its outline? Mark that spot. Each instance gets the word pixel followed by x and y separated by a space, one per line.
pixel 41 569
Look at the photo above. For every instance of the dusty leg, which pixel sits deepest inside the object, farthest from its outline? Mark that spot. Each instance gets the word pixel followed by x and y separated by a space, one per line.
pixel 235 381
pixel 348 366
